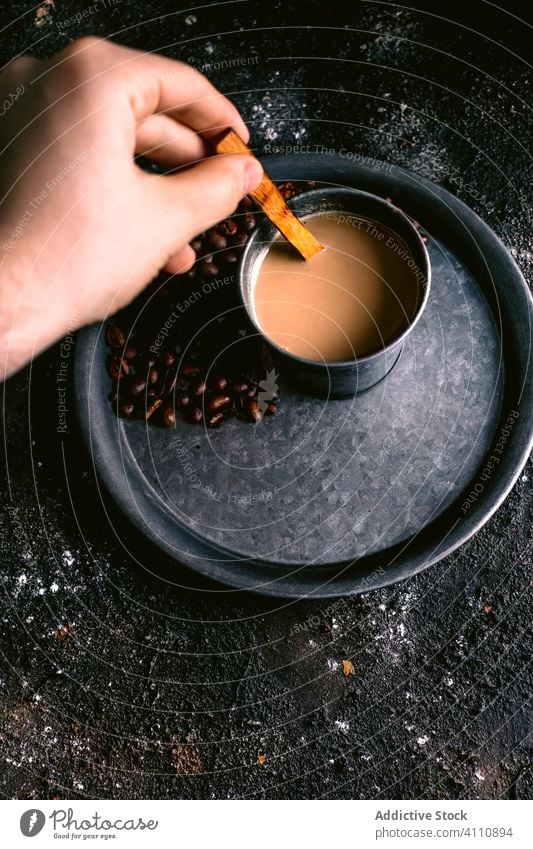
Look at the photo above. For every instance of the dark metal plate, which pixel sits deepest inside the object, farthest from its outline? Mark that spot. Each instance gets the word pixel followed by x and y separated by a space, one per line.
pixel 338 497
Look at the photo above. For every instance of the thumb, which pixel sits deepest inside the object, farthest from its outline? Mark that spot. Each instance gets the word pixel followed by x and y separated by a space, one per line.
pixel 194 200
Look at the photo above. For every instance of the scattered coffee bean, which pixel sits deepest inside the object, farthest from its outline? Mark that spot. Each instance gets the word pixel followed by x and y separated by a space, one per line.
pixel 229 256
pixel 248 222
pixel 154 405
pixel 240 239
pixel 168 359
pixel 216 240
pixel 130 352
pixel 136 386
pixel 169 417
pixel 182 400
pixel 114 336
pixel 209 269
pixel 228 227
pixel 218 402
pixel 199 387
pixel 218 381
pixel 190 370
pixel 126 409
pixel 152 378
pixel 117 367
pixel 254 411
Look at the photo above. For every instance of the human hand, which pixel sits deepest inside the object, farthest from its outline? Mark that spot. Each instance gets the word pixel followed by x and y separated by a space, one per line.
pixel 82 228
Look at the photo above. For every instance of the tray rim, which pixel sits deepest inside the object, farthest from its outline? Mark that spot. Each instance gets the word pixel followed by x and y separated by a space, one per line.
pixel 349 579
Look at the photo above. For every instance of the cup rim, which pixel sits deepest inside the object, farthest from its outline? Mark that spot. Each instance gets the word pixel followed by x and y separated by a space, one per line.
pixel 330 192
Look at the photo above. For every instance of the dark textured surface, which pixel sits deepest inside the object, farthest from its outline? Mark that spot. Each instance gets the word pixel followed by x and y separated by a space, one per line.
pixel 155 691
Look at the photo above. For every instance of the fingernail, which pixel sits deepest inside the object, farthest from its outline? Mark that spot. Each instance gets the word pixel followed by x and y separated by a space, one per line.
pixel 254 174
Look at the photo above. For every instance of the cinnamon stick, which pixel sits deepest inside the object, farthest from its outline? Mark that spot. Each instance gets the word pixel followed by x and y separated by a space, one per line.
pixel 267 196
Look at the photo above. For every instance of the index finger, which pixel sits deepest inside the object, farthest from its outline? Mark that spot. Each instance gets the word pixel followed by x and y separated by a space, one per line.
pixel 160 84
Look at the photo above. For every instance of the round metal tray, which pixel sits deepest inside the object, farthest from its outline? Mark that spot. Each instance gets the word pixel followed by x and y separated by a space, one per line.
pixel 332 498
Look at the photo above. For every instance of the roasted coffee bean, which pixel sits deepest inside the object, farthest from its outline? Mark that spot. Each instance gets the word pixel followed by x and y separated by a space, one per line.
pixel 247 222
pixel 287 190
pixel 168 417
pixel 153 376
pixel 197 415
pixel 229 256
pixel 209 269
pixel 130 352
pixel 216 420
pixel 254 411
pixel 218 381
pixel 182 400
pixel 228 227
pixel 252 392
pixel 114 336
pixel 271 409
pixel 152 407
pixel 190 370
pixel 241 388
pixel 425 239
pixel 126 409
pixel 117 367
pixel 207 258
pixel 216 240
pixel 196 245
pixel 198 388
pixel 240 239
pixel 168 359
pixel 136 386
pixel 190 274
pixel 218 402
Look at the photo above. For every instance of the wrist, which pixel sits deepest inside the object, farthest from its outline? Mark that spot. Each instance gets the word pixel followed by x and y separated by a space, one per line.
pixel 27 325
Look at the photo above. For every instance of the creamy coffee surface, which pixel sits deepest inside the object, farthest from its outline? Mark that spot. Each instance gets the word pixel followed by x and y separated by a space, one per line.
pixel 353 298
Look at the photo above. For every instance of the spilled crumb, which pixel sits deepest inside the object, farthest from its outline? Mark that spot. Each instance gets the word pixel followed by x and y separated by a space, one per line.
pixel 186 759
pixel 348 668
pixel 64 632
pixel 43 12
pixel 261 759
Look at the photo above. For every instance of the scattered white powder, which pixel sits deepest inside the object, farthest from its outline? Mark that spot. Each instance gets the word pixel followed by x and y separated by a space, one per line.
pixel 422 740
pixel 54 587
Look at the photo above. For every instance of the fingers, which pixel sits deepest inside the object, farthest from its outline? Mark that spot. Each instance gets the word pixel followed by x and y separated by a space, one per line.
pixel 185 94
pixel 194 200
pixel 168 142
pixel 159 84
pixel 181 261
pixel 19 71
